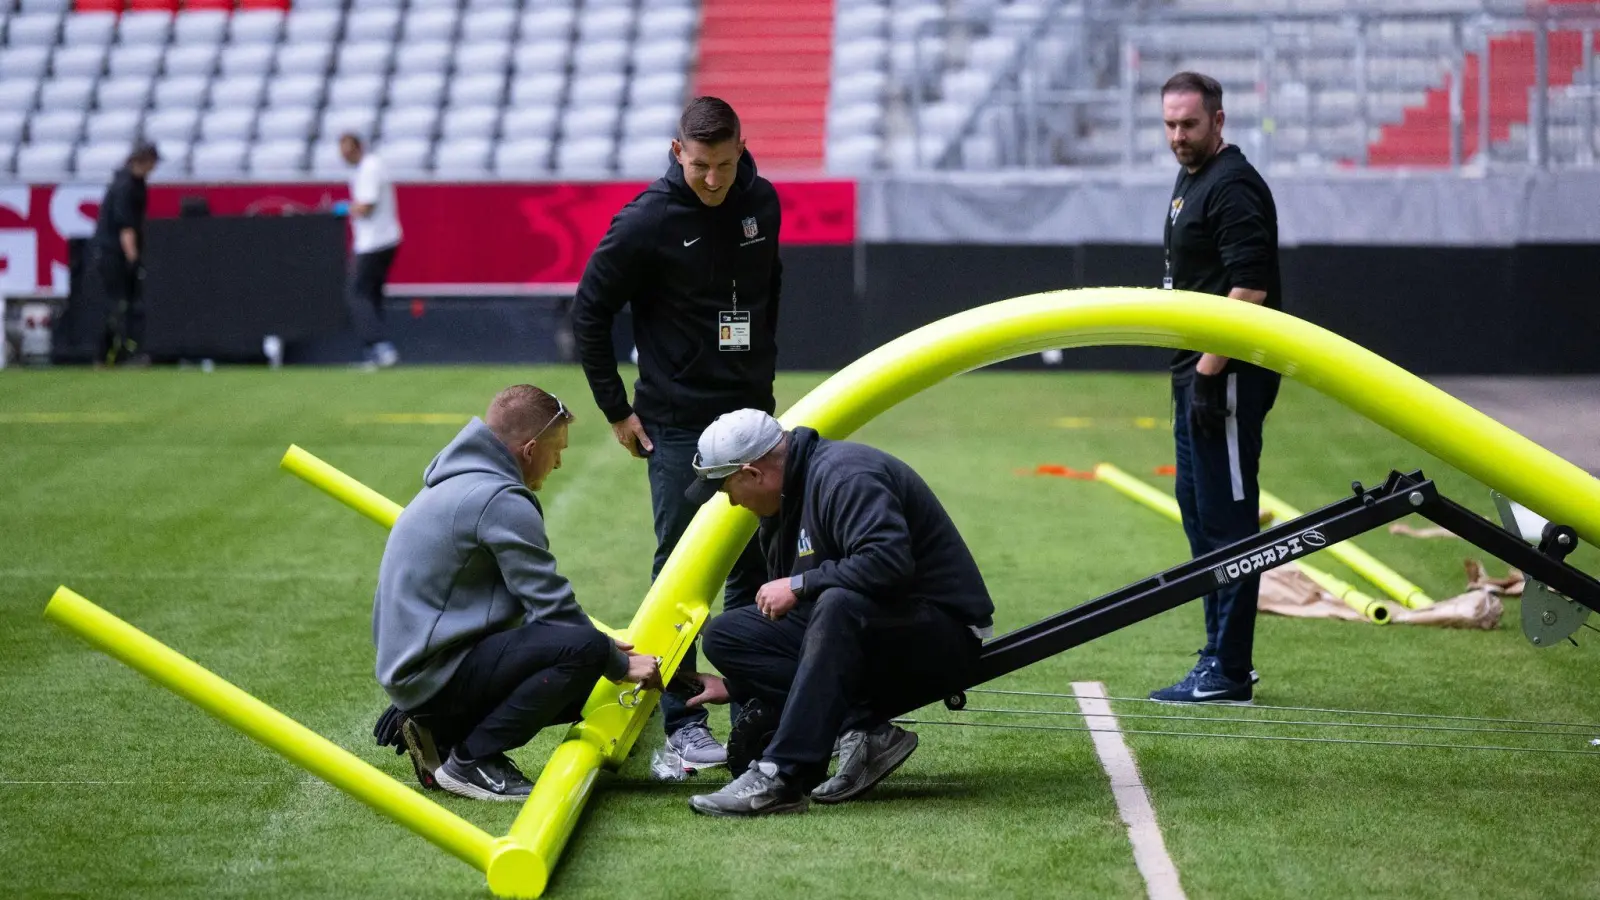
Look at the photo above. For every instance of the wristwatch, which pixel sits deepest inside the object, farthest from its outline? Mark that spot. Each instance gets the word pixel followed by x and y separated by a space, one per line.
pixel 797 583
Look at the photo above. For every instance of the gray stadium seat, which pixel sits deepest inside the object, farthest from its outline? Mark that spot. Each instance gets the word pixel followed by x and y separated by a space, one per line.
pixel 144 27
pixel 286 122
pixel 68 93
pixel 242 59
pixel 43 161
pixel 666 22
pixel 181 91
pixel 32 30
pixel 862 21
pixel 666 87
pixel 355 90
pixel 545 24
pixel 365 58
pixel 462 158
pixel 108 125
pixel 11 126
pixel 866 54
pixel 310 26
pixel 174 159
pixel 598 90
pixel 228 124
pixel 429 25
pixel 45 6
pixel 605 25
pixel 282 158
pixel 195 59
pixel 408 122
pixel 422 89
pixel 308 58
pixel 238 92
pixel 967 85
pixel 598 57
pixel 89 61
pixel 406 157
pixel 660 120
pixel 49 125
pixel 18 93
pixel 540 56
pixel 88 29
pixel 479 7
pixel 430 5
pixel 178 124
pixel 126 92
pixel 524 121
pixel 497 24
pixel 422 56
pixel 537 90
pixel 24 62
pixel 221 160
pixel 862 87
pixel 336 120
pixel 326 163
pixel 670 55
pixel 580 122
pixel 585 158
pixel 200 26
pixel 522 159
pixel 372 25
pixel 255 26
pixel 462 122
pixel 295 90
pixel 854 120
pixel 480 57
pixel 643 158
pixel 476 90
pixel 135 59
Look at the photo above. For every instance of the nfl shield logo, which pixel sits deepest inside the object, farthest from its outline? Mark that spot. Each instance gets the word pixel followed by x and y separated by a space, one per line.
pixel 750 227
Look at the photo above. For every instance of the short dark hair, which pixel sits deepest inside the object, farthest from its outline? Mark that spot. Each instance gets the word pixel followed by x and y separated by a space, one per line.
pixel 143 152
pixel 1208 88
pixel 708 120
pixel 523 412
pixel 352 137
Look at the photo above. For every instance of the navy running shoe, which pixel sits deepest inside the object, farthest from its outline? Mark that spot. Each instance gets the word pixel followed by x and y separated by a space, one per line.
pixel 1206 683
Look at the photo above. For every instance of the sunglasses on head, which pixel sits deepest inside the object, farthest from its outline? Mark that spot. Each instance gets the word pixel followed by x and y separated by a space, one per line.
pixel 561 413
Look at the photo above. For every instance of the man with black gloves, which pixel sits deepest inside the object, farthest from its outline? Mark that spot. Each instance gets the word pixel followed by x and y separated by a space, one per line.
pixel 1221 238
pixel 876 607
pixel 115 252
pixel 480 640
pixel 696 257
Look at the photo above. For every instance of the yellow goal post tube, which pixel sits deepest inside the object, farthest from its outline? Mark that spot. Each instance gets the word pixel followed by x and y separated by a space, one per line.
pixel 1365 564
pixel 1374 610
pixel 340 486
pixel 1368 384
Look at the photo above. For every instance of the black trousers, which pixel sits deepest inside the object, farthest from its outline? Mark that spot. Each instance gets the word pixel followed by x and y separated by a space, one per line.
pixel 364 293
pixel 1219 494
pixel 843 662
pixel 123 333
pixel 514 683
pixel 671 467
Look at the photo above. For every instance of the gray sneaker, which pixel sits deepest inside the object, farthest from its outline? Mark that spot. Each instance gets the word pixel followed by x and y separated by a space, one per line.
pixel 760 791
pixel 865 758
pixel 696 747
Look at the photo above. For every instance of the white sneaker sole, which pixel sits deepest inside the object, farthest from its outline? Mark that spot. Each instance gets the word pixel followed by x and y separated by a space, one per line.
pixel 472 791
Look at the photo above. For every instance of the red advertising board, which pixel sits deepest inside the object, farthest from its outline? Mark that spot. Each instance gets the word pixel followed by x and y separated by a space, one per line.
pixel 469 236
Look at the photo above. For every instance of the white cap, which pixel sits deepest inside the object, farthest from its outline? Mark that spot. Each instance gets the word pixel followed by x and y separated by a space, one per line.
pixel 733 441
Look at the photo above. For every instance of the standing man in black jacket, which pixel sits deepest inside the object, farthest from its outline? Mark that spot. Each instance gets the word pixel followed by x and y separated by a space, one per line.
pixel 1221 238
pixel 696 257
pixel 876 606
pixel 115 252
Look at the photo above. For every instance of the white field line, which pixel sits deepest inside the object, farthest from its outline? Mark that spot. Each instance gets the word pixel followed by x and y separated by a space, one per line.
pixel 1133 801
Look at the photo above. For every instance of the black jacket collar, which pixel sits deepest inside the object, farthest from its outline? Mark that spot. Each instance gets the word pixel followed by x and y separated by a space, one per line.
pixel 680 189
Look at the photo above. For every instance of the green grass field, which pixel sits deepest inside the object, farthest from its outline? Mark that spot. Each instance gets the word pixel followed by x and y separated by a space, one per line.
pixel 157 495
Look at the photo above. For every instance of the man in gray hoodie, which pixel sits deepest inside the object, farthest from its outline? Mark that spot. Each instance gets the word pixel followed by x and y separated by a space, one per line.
pixel 480 640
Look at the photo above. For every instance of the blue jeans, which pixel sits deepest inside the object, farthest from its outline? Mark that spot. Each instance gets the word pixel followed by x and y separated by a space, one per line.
pixel 671 466
pixel 1219 495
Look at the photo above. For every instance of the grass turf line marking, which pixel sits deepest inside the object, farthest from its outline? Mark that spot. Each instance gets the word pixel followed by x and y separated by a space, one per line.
pixel 1133 801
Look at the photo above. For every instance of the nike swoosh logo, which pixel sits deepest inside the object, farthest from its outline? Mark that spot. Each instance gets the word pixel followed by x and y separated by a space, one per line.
pixel 1204 694
pixel 691 243
pixel 499 787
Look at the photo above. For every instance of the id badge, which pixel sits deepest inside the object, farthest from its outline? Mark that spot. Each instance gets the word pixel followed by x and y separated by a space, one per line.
pixel 1166 283
pixel 733 330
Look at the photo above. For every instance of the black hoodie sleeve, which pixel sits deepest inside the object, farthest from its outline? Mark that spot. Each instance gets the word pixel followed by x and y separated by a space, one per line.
pixel 1244 237
pixel 610 281
pixel 865 520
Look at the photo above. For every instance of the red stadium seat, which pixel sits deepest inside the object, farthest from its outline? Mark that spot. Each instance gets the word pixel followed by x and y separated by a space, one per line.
pixel 97 6
pixel 153 5
pixel 264 4
pixel 224 5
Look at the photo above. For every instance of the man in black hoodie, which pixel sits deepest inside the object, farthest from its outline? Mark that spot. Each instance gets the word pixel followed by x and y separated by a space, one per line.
pixel 876 607
pixel 696 257
pixel 115 254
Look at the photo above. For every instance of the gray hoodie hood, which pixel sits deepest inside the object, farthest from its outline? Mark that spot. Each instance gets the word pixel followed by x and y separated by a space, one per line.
pixel 467 558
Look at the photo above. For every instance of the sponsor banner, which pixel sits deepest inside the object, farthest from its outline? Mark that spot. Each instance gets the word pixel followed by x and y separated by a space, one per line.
pixel 499 235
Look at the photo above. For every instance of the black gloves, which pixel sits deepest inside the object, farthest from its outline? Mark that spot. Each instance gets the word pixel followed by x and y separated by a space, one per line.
pixel 387 731
pixel 1208 405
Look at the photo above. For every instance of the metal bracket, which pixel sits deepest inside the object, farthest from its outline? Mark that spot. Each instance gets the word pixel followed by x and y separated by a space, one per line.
pixel 1548 617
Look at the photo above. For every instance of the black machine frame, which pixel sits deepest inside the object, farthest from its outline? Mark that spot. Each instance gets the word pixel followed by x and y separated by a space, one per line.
pixel 1368 508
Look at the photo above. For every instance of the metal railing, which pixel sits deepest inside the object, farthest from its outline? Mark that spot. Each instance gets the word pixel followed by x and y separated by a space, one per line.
pixel 1440 90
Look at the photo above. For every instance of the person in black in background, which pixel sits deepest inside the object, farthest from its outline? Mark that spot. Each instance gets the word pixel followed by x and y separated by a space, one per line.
pixel 696 257
pixel 1221 237
pixel 115 254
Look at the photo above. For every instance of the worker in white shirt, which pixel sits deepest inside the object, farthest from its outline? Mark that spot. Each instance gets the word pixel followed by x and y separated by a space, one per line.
pixel 375 229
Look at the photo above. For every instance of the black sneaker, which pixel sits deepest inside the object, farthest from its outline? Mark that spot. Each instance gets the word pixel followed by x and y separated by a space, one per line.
pixel 494 777
pixel 760 791
pixel 865 758
pixel 751 734
pixel 1208 684
pixel 425 754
